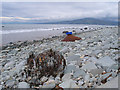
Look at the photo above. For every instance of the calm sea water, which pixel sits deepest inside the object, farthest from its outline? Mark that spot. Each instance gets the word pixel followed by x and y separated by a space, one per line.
pixel 20 28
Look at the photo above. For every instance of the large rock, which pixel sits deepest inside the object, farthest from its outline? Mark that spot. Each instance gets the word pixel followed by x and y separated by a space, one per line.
pixel 106 61
pixel 79 72
pixel 89 66
pixel 73 58
pixel 23 85
pixel 68 84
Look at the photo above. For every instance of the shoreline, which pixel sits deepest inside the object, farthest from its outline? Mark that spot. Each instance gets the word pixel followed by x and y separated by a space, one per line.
pixel 49 35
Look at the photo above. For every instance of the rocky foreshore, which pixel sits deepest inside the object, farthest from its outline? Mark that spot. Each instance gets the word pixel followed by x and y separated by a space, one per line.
pixel 91 61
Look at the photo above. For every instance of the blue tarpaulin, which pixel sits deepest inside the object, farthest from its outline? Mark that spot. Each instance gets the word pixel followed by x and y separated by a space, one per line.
pixel 69 33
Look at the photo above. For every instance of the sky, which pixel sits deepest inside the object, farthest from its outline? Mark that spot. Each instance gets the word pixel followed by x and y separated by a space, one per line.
pixel 57 11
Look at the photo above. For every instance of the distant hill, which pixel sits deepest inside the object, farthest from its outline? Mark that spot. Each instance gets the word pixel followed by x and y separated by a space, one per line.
pixel 92 21
pixel 87 21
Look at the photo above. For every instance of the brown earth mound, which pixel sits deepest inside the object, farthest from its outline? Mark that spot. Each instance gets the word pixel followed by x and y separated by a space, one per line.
pixel 71 38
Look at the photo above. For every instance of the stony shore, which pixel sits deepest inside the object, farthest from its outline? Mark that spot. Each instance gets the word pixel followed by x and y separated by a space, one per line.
pixel 91 62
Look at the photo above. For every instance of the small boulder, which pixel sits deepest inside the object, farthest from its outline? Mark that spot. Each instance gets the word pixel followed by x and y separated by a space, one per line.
pixel 73 58
pixel 23 85
pixel 10 83
pixel 49 84
pixel 43 79
pixel 79 72
pixel 96 71
pixel 89 66
pixel 106 61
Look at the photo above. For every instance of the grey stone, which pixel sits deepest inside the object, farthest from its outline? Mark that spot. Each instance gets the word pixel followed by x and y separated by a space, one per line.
pixel 73 58
pixel 89 66
pixel 23 85
pixel 5 73
pixel 115 67
pixel 80 82
pixel 64 50
pixel 49 84
pixel 97 52
pixel 0 87
pixel 79 72
pixel 57 80
pixel 43 79
pixel 68 84
pixel 93 59
pixel 114 74
pixel 10 83
pixel 19 67
pixel 106 61
pixel 66 77
pixel 10 64
pixel 87 77
pixel 96 71
pixel 69 69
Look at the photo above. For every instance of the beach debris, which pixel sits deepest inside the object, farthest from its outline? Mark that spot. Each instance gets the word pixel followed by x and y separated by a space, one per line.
pixel 70 37
pixel 68 33
pixel 46 64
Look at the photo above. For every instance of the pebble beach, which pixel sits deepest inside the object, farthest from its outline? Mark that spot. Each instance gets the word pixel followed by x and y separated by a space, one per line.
pixel 91 62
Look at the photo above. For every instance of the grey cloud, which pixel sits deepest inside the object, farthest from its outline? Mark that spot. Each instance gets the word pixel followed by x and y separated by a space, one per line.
pixel 59 10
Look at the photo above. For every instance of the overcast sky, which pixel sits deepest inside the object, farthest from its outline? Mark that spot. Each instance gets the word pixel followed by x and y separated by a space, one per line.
pixel 40 11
